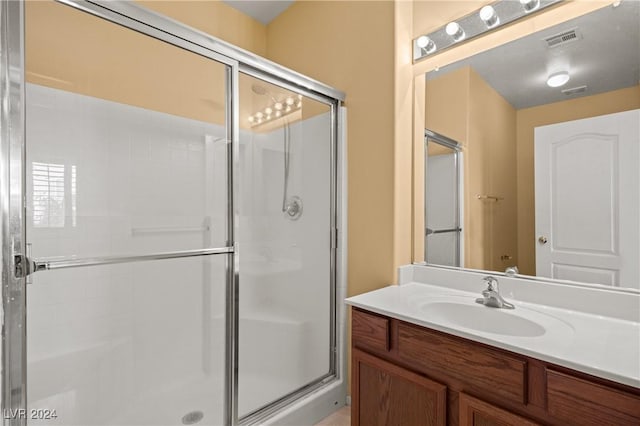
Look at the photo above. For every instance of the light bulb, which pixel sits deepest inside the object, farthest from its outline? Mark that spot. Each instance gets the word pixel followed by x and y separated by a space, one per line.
pixel 251 119
pixel 278 106
pixel 299 104
pixel 268 111
pixel 426 43
pixel 530 5
pixel 455 31
pixel 259 115
pixel 278 113
pixel 268 117
pixel 558 79
pixel 288 109
pixel 489 16
pixel 289 101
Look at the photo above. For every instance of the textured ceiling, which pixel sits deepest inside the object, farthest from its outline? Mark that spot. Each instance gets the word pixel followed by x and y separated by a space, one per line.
pixel 264 11
pixel 606 58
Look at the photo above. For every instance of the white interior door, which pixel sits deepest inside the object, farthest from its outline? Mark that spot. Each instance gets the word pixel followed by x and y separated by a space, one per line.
pixel 587 189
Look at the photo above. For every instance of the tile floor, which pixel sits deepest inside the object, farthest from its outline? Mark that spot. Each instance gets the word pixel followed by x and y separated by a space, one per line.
pixel 341 417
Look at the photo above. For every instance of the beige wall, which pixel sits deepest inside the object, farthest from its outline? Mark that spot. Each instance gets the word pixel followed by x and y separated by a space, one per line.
pixel 492 172
pixel 462 106
pixel 74 51
pixel 527 120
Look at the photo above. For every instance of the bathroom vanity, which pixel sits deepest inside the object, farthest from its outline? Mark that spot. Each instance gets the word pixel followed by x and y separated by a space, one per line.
pixel 425 354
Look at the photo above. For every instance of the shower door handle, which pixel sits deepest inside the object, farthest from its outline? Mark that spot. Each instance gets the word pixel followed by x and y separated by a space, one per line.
pixel 24 266
pixel 442 231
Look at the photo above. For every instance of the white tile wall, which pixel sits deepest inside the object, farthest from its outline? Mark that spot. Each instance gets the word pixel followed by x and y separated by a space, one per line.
pixel 105 342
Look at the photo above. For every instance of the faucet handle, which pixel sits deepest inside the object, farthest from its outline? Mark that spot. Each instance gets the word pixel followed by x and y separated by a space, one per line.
pixel 492 283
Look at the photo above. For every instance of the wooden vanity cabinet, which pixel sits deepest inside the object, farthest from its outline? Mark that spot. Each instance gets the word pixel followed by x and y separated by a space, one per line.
pixel 404 374
pixel 385 394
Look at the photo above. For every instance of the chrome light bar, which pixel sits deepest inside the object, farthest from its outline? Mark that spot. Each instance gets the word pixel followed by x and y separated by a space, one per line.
pixel 486 19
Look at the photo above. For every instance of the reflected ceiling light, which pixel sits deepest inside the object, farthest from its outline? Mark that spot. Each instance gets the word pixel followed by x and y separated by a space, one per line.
pixel 278 109
pixel 489 16
pixel 558 79
pixel 530 5
pixel 455 30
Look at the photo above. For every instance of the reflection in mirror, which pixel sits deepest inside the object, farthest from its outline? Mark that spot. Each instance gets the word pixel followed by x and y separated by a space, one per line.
pixel 442 212
pixel 549 127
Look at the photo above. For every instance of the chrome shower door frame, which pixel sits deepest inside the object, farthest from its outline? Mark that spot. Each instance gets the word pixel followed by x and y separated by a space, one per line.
pixel 261 414
pixel 12 187
pixel 12 230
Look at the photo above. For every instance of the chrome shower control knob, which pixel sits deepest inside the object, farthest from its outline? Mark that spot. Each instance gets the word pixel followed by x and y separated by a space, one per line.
pixel 542 239
pixel 293 208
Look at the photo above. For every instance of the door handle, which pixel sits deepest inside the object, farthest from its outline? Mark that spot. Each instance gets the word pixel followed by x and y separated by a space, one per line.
pixel 542 239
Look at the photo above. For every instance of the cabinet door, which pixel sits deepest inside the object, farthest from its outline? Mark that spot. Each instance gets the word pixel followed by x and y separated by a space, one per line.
pixel 474 412
pixel 387 395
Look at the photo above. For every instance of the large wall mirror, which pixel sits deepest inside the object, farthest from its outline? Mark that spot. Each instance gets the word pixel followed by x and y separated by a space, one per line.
pixel 531 154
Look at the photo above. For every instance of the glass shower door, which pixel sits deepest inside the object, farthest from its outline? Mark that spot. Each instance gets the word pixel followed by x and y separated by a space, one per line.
pixel 127 206
pixel 286 274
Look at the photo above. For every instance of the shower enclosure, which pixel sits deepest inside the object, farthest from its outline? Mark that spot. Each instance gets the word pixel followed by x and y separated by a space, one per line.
pixel 443 242
pixel 170 215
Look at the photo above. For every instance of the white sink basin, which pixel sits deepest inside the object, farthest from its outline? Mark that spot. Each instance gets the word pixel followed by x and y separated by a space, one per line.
pixel 482 318
pixel 522 322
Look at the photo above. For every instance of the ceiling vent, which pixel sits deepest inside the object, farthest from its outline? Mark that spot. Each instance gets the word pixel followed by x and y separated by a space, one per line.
pixel 563 38
pixel 575 90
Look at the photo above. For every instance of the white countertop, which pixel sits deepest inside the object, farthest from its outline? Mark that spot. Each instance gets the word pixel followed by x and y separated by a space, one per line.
pixel 602 346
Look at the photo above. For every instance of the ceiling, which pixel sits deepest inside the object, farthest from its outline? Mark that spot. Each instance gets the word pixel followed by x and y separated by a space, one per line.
pixel 264 11
pixel 605 58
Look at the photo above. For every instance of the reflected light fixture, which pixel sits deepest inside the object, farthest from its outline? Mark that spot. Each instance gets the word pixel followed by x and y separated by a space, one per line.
pixel 455 30
pixel 278 109
pixel 530 5
pixel 489 16
pixel 558 79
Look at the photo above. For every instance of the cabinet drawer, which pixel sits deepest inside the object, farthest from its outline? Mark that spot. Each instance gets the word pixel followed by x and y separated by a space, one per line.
pixel 476 367
pixel 369 330
pixel 579 402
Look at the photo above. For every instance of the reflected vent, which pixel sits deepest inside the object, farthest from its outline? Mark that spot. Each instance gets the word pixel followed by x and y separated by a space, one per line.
pixel 575 90
pixel 563 38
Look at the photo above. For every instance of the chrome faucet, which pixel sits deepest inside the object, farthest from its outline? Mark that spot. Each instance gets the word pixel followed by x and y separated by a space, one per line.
pixel 491 296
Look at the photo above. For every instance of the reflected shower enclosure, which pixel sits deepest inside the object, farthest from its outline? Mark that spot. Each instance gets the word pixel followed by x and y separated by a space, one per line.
pixel 176 262
pixel 443 205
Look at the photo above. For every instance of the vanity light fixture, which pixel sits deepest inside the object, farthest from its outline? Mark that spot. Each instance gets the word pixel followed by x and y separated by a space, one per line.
pixel 530 5
pixel 483 20
pixel 455 30
pixel 489 16
pixel 278 109
pixel 426 43
pixel 558 79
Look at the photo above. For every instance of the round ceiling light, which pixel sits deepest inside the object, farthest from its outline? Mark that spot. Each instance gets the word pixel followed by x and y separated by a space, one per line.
pixel 558 79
